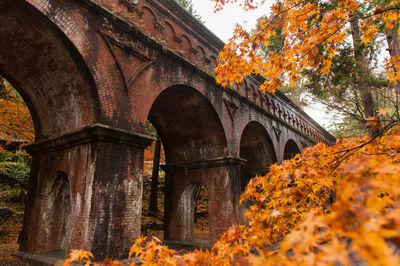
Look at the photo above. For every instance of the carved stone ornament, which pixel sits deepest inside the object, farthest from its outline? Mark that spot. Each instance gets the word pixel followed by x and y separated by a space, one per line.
pixel 132 67
pixel 232 108
pixel 277 132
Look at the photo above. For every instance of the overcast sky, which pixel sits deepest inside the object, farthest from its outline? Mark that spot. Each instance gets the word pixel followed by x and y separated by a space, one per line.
pixel 222 24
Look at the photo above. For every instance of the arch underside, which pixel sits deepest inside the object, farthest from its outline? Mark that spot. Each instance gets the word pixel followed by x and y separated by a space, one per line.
pixel 46 69
pixel 191 132
pixel 189 127
pixel 257 148
pixel 291 149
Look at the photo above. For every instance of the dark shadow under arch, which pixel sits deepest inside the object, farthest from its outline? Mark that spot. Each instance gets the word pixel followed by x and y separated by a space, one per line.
pixel 291 149
pixel 189 127
pixel 257 148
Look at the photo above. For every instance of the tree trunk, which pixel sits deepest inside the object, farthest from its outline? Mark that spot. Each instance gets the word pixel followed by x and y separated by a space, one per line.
pixel 367 100
pixel 196 198
pixel 393 41
pixel 154 178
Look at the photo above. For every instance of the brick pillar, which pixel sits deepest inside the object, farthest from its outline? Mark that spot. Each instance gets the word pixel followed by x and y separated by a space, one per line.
pixel 221 177
pixel 104 170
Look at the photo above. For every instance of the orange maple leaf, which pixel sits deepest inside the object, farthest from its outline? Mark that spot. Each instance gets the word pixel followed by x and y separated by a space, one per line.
pixel 383 111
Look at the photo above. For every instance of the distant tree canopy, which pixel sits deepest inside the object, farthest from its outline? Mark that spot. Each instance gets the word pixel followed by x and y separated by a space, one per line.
pixel 15 119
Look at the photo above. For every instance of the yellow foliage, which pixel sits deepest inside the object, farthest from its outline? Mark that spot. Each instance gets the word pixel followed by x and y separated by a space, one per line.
pixel 15 118
pixel 306 26
pixel 332 204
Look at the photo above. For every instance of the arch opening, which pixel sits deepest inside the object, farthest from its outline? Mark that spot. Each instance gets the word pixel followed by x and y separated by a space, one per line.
pixel 291 149
pixel 257 148
pixel 188 125
pixel 16 130
pixel 201 213
pixel 191 132
pixel 153 187
pixel 46 69
pixel 194 206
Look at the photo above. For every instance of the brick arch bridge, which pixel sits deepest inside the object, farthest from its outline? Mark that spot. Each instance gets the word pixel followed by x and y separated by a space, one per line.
pixel 92 73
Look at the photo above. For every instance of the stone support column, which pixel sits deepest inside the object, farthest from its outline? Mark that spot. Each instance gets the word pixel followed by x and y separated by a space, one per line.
pixel 104 169
pixel 221 177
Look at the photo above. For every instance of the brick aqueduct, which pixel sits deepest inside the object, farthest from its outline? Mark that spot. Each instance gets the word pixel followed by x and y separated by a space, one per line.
pixel 92 73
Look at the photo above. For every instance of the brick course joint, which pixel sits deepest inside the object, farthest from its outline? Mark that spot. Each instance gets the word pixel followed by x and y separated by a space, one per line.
pixel 215 162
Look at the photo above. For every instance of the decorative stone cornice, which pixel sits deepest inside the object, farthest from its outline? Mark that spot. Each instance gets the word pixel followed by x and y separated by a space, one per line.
pixel 208 35
pixel 215 162
pixel 90 134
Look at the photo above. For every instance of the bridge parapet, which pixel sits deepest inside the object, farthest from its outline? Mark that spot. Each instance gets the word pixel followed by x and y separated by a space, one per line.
pixel 176 30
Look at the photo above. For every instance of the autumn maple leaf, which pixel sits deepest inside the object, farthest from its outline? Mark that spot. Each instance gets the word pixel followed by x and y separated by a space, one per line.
pixel 383 112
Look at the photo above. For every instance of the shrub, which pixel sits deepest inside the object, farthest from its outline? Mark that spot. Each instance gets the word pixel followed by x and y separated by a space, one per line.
pixel 14 173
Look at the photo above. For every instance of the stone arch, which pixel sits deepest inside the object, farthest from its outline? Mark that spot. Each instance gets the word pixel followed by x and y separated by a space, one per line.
pixel 285 115
pixel 244 88
pixel 261 98
pixel 56 212
pixel 186 46
pixel 187 210
pixel 201 55
pixel 149 19
pixel 257 148
pixel 41 61
pixel 247 91
pixel 173 114
pixel 253 93
pixel 273 104
pixel 47 70
pixel 268 103
pixel 278 110
pixel 195 146
pixel 213 63
pixel 291 149
pixel 169 33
